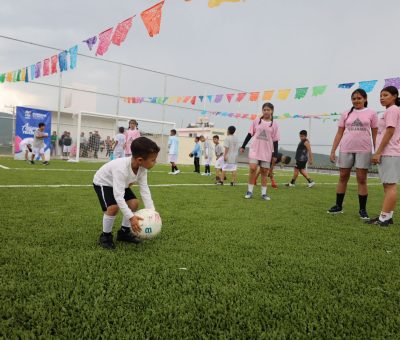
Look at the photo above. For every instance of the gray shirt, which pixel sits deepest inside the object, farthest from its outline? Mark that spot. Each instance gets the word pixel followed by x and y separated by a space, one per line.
pixel 219 150
pixel 231 142
pixel 38 142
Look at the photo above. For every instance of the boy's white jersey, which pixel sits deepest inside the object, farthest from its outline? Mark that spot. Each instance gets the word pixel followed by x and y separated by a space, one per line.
pixel 231 142
pixel 121 141
pixel 207 150
pixel 119 175
pixel 173 145
pixel 38 143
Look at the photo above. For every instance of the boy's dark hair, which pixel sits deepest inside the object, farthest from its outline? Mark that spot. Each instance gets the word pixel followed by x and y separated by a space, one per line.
pixel 287 160
pixel 143 147
pixel 173 131
pixel 231 130
pixel 41 124
pixel 196 139
pixel 216 137
pixel 121 129
pixel 303 133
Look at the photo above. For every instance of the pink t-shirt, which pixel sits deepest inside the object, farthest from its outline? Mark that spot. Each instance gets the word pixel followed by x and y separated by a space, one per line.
pixel 357 133
pixel 390 118
pixel 130 135
pixel 264 136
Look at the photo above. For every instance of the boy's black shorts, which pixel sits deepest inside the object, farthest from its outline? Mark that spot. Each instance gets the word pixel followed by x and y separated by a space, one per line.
pixel 106 196
pixel 300 165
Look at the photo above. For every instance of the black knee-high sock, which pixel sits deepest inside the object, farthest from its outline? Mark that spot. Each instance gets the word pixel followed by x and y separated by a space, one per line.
pixel 339 199
pixel 176 168
pixel 362 199
pixel 293 181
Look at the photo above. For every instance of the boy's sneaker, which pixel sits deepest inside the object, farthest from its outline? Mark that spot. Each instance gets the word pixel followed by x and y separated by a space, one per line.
pixel 335 210
pixel 265 197
pixel 32 162
pixel 204 174
pixel 106 241
pixel 273 184
pixel 171 173
pixel 127 236
pixel 176 172
pixel 233 184
pixel 45 163
pixel 290 185
pixel 219 183
pixel 363 214
pixel 311 184
pixel 249 194
pixel 377 221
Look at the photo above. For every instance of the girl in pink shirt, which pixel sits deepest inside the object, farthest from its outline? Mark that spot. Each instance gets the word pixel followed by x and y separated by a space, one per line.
pixel 355 129
pixel 387 154
pixel 131 134
pixel 265 134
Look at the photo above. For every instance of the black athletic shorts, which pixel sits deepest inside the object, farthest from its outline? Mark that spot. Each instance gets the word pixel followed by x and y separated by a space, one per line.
pixel 300 165
pixel 106 196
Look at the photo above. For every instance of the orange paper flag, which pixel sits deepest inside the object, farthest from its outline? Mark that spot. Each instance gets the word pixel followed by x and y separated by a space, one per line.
pixel 152 18
pixel 268 95
pixel 254 96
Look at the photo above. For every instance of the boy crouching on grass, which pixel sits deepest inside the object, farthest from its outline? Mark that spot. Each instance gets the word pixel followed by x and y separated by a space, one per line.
pixel 112 184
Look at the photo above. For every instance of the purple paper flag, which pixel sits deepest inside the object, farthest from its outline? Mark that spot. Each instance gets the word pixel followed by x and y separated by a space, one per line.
pixel 393 82
pixel 218 98
pixel 91 42
pixel 38 66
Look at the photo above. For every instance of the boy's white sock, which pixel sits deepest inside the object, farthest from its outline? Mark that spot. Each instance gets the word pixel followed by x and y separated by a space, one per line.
pixel 108 222
pixel 384 216
pixel 263 190
pixel 125 222
pixel 391 214
pixel 250 187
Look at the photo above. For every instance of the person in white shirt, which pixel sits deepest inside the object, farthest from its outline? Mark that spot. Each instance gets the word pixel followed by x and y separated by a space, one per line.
pixel 119 144
pixel 219 156
pixel 207 152
pixel 39 144
pixel 112 184
pixel 26 146
pixel 173 147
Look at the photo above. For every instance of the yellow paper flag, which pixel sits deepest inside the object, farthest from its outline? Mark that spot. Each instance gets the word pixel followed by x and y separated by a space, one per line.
pixel 283 94
pixel 215 3
pixel 23 74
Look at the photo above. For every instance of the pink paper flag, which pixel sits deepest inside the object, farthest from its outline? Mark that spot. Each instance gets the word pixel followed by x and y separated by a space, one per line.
pixel 229 97
pixel 104 41
pixel 240 96
pixel 121 31
pixel 46 67
pixel 54 62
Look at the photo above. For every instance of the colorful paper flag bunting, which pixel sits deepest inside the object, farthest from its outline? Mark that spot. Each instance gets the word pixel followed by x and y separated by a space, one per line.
pixel 201 98
pixel 393 82
pixel 283 94
pixel 318 90
pixel 240 96
pixel 18 77
pixel 193 101
pixel 38 66
pixel 218 98
pixel 210 98
pixel 23 74
pixel 2 77
pixel 301 92
pixel 54 62
pixel 229 97
pixel 73 55
pixel 152 18
pixel 32 70
pixel 215 3
pixel 104 41
pixel 186 99
pixel 121 31
pixel 267 95
pixel 90 42
pixel 368 85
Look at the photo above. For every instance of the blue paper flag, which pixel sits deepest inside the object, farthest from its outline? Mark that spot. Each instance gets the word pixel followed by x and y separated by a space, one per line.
pixel 346 85
pixel 73 54
pixel 210 98
pixel 368 85
pixel 62 61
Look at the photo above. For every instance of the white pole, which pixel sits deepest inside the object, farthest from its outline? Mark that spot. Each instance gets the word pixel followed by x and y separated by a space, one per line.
pixel 163 115
pixel 59 108
pixel 78 137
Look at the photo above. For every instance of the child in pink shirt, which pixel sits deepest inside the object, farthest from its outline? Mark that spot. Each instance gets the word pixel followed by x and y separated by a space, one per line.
pixel 265 134
pixel 355 129
pixel 387 154
pixel 131 134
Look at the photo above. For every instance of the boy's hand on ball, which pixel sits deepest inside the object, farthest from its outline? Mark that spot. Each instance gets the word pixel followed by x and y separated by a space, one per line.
pixel 135 224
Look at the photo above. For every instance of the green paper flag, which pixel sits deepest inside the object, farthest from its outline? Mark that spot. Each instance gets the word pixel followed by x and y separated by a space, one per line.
pixel 287 115
pixel 301 92
pixel 19 75
pixel 318 90
pixel 2 77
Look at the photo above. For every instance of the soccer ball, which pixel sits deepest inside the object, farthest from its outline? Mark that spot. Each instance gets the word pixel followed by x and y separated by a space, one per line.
pixel 151 223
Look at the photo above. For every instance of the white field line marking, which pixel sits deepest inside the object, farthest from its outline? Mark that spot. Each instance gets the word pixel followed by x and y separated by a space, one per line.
pixel 152 185
pixel 4 167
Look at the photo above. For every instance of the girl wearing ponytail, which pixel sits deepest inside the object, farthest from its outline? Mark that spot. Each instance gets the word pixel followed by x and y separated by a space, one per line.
pixel 263 147
pixel 355 129
pixel 387 154
pixel 131 134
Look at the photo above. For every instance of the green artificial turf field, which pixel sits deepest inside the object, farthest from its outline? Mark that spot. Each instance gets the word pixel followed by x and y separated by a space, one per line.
pixel 223 266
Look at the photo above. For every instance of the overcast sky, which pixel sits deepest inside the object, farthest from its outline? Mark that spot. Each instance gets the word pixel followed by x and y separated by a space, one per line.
pixel 252 45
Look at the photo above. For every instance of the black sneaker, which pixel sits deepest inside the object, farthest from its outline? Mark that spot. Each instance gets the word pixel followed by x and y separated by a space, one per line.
pixel 32 162
pixel 106 241
pixel 233 184
pixel 335 210
pixel 377 221
pixel 363 214
pixel 45 163
pixel 219 183
pixel 127 236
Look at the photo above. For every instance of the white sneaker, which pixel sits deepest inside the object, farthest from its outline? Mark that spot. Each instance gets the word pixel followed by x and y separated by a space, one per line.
pixel 310 185
pixel 204 174
pixel 176 172
pixel 248 195
pixel 290 185
pixel 171 173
